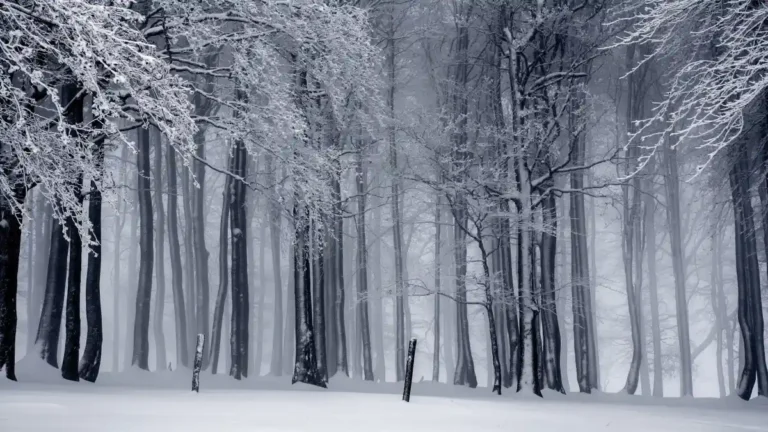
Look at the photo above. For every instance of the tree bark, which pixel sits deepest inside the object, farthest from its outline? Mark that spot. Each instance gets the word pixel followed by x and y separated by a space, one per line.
pixel 221 296
pixel 146 261
pixel 47 339
pixel 681 300
pixel 748 277
pixel 91 361
pixel 436 343
pixel 362 268
pixel 650 249
pixel 177 275
pixel 10 249
pixel 550 326
pixel 276 364
pixel 305 366
pixel 160 354
pixel 240 295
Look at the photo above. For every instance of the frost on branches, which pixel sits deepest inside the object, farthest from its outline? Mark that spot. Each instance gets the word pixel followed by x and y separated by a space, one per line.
pixel 713 83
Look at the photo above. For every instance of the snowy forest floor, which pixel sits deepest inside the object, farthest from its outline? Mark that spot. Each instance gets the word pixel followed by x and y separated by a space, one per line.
pixel 141 401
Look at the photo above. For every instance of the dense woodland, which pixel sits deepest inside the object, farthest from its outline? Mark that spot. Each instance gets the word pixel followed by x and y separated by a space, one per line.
pixel 546 194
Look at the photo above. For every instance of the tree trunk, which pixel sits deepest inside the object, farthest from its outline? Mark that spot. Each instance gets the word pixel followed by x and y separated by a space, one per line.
pixel 189 258
pixel 201 254
pixel 160 354
pixel 397 236
pixel 91 361
pixel 362 269
pixel 714 283
pixel 376 305
pixel 341 336
pixel 305 366
pixel 146 261
pixel 318 302
pixel 31 291
pixel 43 217
pixel 130 292
pixel 276 364
pixel 681 300
pixel 748 277
pixel 221 296
pixel 116 281
pixel 177 276
pixel 436 343
pixel 289 344
pixel 10 249
pixel 262 291
pixel 240 295
pixel 47 339
pixel 550 327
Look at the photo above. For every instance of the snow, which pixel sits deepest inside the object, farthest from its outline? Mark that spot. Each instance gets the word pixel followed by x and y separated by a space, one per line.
pixel 140 401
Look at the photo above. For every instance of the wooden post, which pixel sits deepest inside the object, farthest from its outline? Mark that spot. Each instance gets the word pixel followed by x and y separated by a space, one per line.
pixel 409 370
pixel 198 363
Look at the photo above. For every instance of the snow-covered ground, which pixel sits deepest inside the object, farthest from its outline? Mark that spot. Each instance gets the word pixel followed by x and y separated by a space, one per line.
pixel 138 401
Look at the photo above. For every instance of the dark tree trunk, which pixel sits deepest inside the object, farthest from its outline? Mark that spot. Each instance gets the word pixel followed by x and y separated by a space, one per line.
pixel 10 248
pixel 69 363
pixel 159 312
pixel 221 296
pixel 189 259
pixel 318 293
pixel 551 329
pixel 240 295
pixel 362 269
pixel 338 227
pixel 750 313
pixel 305 366
pixel 177 276
pixel 47 339
pixel 140 356
pixel 91 361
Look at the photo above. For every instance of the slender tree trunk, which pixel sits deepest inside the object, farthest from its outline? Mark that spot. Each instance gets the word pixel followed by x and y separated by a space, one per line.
pixel 31 289
pixel 240 295
pixel 221 295
pixel 276 364
pixel 318 292
pixel 189 260
pixel 714 283
pixel 144 290
pixel 42 249
pixel 262 291
pixel 91 361
pixel 116 280
pixel 201 254
pixel 650 248
pixel 159 313
pixel 681 300
pixel 289 345
pixel 362 269
pixel 10 249
pixel 47 339
pixel 550 325
pixel 376 305
pixel 341 337
pixel 396 212
pixel 177 276
pixel 436 343
pixel 130 294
